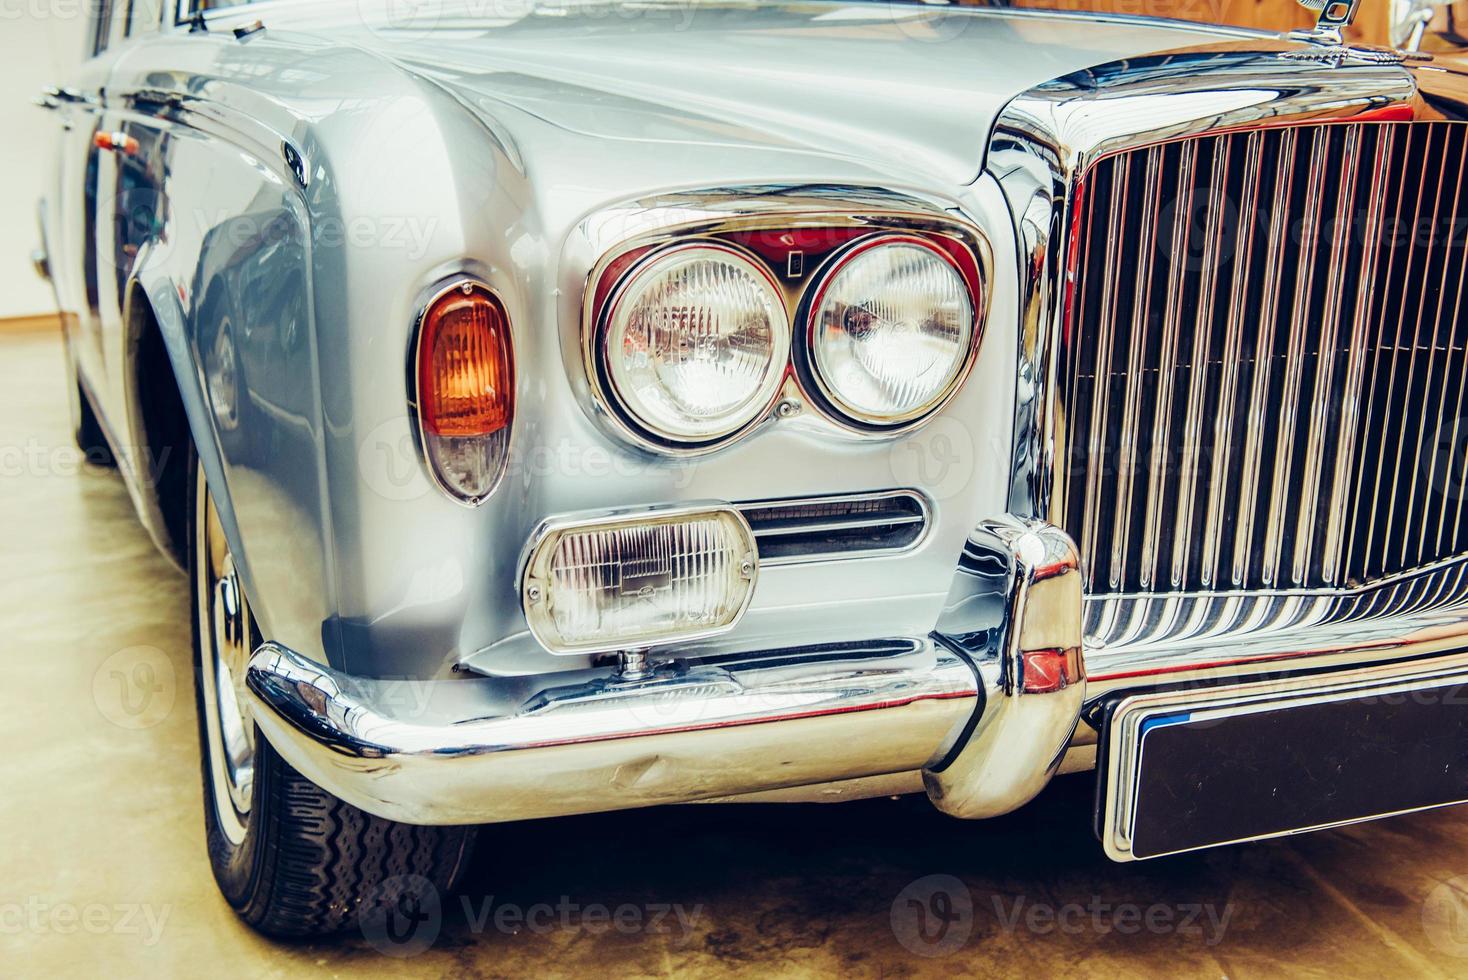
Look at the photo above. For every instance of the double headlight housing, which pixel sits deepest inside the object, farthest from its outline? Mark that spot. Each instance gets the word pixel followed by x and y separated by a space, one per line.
pixel 693 343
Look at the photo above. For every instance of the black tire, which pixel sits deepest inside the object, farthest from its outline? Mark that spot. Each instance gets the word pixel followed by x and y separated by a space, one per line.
pixel 86 430
pixel 308 864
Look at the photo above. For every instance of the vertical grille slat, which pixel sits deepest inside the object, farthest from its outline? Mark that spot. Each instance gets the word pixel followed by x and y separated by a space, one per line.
pixel 1323 400
pixel 1192 449
pixel 1272 274
pixel 1267 364
pixel 1453 481
pixel 1220 472
pixel 1442 235
pixel 1106 341
pixel 1356 357
pixel 1136 368
pixel 1159 474
pixel 1405 341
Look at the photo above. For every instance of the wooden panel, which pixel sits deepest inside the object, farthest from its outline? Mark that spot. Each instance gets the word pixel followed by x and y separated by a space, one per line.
pixel 42 323
pixel 1271 15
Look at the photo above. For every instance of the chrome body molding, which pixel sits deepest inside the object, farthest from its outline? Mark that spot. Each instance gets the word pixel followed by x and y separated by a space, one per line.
pixel 487 750
pixel 1029 573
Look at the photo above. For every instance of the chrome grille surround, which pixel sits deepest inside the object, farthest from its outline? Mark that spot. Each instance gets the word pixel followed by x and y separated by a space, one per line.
pixel 1151 609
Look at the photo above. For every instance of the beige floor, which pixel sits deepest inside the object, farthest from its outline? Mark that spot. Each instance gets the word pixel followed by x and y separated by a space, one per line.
pixel 102 870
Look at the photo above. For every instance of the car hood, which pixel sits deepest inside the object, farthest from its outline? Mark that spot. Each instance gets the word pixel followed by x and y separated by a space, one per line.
pixel 900 87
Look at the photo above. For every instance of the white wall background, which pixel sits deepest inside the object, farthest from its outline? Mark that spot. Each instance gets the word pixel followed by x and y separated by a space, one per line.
pixel 40 42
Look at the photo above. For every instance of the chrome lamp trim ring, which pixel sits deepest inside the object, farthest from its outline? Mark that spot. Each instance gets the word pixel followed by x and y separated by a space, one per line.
pixel 534 588
pixel 427 299
pixel 603 376
pixel 806 360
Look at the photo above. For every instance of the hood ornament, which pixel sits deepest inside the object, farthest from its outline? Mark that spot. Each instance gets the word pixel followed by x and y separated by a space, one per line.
pixel 1329 43
pixel 1335 17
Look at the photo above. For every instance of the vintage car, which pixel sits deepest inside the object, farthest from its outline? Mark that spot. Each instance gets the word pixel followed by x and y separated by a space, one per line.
pixel 600 404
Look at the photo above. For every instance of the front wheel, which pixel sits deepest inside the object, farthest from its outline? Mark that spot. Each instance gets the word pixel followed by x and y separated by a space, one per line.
pixel 290 858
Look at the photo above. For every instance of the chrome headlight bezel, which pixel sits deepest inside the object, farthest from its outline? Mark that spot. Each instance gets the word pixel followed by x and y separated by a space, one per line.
pixel 807 353
pixel 814 223
pixel 651 263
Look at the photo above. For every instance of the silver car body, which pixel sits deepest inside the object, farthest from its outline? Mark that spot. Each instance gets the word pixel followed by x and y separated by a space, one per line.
pixel 297 192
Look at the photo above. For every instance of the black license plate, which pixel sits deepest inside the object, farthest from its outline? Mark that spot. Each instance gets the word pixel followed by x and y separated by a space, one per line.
pixel 1188 770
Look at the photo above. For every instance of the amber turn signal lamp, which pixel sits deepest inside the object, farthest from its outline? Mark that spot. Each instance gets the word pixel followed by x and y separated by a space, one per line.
pixel 466 389
pixel 466 377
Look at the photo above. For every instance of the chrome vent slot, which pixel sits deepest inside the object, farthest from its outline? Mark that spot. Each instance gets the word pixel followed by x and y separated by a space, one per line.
pixel 1262 375
pixel 846 526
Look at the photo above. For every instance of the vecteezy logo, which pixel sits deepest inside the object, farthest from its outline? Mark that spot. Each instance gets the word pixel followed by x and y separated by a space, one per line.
pixel 1445 916
pixel 933 916
pixel 135 687
pixel 401 916
pixel 939 458
pixel 389 462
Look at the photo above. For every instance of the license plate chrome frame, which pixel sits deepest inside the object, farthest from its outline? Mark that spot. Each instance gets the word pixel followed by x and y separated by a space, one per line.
pixel 1124 731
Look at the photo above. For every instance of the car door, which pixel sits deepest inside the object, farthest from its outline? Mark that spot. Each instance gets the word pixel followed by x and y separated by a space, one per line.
pixel 129 201
pixel 70 214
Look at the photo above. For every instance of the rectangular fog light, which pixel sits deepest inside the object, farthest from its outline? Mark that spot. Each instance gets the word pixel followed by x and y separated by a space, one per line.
pixel 624 581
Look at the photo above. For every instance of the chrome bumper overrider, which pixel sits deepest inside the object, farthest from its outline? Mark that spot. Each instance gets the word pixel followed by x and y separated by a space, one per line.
pixel 953 705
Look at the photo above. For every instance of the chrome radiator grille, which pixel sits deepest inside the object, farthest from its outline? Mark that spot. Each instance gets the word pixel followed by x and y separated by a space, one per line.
pixel 1262 372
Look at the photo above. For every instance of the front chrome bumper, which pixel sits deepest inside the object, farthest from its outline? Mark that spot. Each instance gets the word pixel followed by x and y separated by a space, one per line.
pixel 954 705
pixel 984 710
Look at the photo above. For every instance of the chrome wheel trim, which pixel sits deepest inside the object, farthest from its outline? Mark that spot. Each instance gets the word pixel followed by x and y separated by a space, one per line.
pixel 223 377
pixel 225 642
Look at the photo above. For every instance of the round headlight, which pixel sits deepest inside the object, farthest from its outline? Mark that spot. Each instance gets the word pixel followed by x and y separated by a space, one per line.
pixel 891 330
pixel 696 342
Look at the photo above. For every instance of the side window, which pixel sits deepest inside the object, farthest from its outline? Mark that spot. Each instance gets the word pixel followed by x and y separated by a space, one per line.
pixel 117 20
pixel 101 30
pixel 143 16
